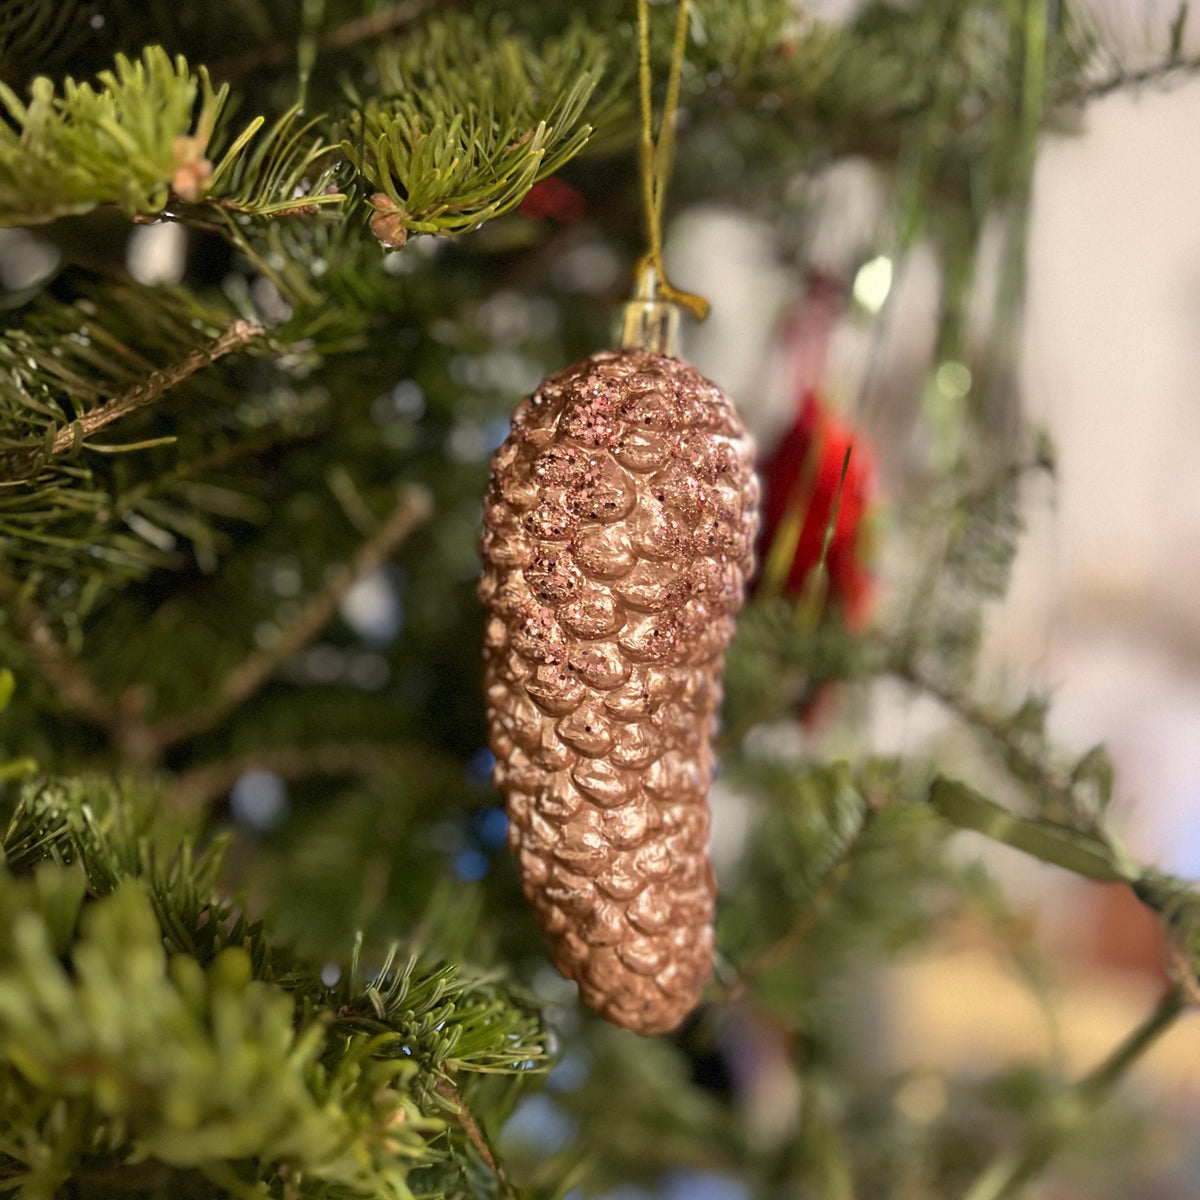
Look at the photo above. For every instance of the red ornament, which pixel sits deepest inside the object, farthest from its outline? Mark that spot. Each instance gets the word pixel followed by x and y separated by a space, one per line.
pixel 554 198
pixel 800 481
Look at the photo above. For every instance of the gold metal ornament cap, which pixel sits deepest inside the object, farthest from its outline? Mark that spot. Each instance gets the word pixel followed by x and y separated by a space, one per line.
pixel 649 322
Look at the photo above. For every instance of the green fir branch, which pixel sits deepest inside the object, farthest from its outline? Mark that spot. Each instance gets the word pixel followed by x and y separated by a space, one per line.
pixel 273 175
pixel 468 119
pixel 1079 795
pixel 1076 1108
pixel 69 369
pixel 127 142
pixel 141 140
pixel 171 1030
pixel 194 1066
pixel 1084 853
pixel 31 28
pixel 66 372
pixel 412 508
pixel 73 437
pixel 842 858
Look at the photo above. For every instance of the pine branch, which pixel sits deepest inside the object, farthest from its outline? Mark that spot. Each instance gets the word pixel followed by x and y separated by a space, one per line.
pixel 134 143
pixel 1090 853
pixel 68 370
pixel 199 786
pixel 1009 1174
pixel 72 437
pixel 130 142
pixel 201 1063
pixel 62 672
pixel 210 1049
pixel 470 119
pixel 1081 794
pixel 74 358
pixel 142 742
pixel 408 1008
pixel 366 28
pixel 843 862
pixel 780 950
pixel 274 177
pixel 412 508
pixel 997 732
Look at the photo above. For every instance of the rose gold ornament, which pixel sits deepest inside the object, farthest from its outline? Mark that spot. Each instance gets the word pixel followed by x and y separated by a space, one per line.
pixel 619 526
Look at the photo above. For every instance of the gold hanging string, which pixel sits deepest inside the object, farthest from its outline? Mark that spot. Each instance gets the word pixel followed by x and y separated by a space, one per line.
pixel 655 158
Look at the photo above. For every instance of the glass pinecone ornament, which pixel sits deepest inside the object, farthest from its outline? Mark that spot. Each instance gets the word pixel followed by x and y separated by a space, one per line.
pixel 619 527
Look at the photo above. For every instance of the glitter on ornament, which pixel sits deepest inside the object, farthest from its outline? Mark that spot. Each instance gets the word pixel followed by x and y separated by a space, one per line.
pixel 619 528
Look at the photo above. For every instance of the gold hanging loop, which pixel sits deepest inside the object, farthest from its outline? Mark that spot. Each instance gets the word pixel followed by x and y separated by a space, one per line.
pixel 655 160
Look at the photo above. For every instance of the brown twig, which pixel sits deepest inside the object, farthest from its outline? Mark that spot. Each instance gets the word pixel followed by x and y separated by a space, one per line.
pixel 1007 1175
pixel 1045 779
pixel 340 37
pixel 778 951
pixel 142 743
pixel 475 1135
pixel 413 507
pixel 58 667
pixel 201 785
pixel 1155 73
pixel 234 338
pixel 373 25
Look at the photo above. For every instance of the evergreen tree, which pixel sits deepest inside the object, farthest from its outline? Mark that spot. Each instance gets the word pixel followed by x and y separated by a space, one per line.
pixel 258 931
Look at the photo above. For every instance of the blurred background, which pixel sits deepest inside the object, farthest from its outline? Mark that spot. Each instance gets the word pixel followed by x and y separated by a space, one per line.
pixel 1103 611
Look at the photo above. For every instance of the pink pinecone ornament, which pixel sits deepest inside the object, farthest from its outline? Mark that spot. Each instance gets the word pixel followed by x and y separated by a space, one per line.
pixel 619 527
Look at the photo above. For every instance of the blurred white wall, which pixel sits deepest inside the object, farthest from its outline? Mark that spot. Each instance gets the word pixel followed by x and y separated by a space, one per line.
pixel 1105 604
